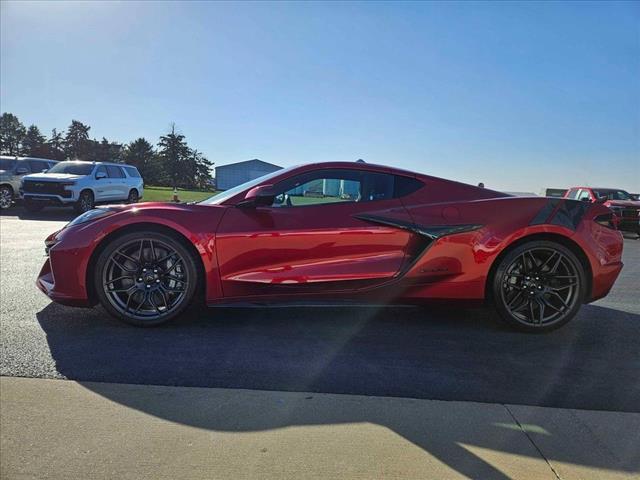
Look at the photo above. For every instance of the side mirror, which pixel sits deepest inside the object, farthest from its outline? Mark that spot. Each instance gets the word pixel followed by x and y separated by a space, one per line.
pixel 22 171
pixel 100 175
pixel 260 196
pixel 601 199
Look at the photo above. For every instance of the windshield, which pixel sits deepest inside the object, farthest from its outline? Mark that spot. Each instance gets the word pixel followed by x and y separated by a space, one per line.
pixel 7 163
pixel 612 194
pixel 72 168
pixel 218 198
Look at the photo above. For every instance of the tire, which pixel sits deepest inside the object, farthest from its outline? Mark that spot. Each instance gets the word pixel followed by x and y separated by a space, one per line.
pixel 6 197
pixel 85 202
pixel 145 278
pixel 538 286
pixel 33 207
pixel 133 196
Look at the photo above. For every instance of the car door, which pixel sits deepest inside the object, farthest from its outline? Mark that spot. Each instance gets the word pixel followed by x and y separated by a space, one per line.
pixel 309 239
pixel 102 184
pixel 117 183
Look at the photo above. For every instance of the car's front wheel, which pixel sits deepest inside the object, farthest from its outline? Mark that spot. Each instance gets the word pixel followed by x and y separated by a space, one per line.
pixel 85 202
pixel 539 286
pixel 6 196
pixel 145 278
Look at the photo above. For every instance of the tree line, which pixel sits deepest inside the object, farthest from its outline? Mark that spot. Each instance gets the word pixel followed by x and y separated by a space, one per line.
pixel 170 163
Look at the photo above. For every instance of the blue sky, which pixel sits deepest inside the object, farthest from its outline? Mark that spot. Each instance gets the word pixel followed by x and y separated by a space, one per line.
pixel 518 95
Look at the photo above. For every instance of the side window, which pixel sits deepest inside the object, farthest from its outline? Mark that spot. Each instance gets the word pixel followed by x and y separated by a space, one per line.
pixel 132 172
pixel 316 190
pixel 23 168
pixel 573 194
pixel 114 172
pixel 405 186
pixel 377 186
pixel 38 166
pixel 334 186
pixel 101 169
pixel 584 195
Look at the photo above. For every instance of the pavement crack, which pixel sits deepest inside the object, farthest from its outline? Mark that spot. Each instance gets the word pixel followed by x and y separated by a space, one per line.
pixel 557 475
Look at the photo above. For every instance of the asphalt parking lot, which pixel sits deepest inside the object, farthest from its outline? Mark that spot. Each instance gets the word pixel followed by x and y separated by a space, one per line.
pixel 447 354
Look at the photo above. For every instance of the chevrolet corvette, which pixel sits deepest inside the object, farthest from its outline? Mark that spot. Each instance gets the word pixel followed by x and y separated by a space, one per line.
pixel 334 232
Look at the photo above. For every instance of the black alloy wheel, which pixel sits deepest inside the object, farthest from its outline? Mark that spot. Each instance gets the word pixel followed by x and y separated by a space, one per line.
pixel 145 278
pixel 6 196
pixel 133 196
pixel 85 202
pixel 539 286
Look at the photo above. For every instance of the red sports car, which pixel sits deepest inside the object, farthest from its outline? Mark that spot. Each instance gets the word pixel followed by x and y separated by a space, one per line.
pixel 339 231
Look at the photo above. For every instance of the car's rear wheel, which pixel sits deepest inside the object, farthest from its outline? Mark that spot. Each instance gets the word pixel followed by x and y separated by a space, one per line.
pixel 33 207
pixel 6 196
pixel 85 202
pixel 133 196
pixel 539 286
pixel 145 278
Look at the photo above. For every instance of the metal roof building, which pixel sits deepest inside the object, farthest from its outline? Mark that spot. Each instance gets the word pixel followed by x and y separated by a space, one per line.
pixel 233 174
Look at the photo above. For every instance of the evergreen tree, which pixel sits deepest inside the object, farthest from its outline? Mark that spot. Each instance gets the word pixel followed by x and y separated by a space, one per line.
pixel 174 164
pixel 55 146
pixel 140 153
pixel 11 134
pixel 103 151
pixel 174 154
pixel 76 142
pixel 34 143
pixel 202 174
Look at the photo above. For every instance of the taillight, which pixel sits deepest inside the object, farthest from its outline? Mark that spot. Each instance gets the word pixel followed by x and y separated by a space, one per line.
pixel 608 220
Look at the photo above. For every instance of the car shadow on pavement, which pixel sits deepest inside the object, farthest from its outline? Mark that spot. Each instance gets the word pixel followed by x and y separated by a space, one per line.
pixel 592 363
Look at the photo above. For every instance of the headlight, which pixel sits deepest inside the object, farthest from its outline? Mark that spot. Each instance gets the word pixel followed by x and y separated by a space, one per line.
pixel 90 216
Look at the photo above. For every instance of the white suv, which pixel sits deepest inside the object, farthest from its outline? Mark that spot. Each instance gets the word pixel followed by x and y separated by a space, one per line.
pixel 82 185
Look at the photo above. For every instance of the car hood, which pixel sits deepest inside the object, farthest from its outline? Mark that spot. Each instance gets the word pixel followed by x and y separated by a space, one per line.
pixel 623 203
pixel 51 177
pixel 156 206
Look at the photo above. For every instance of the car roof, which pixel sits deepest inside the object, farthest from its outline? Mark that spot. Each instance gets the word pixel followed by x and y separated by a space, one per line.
pixel 102 163
pixel 9 157
pixel 599 188
pixel 357 166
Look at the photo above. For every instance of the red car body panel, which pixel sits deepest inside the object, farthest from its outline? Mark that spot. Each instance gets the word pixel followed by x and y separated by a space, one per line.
pixel 438 242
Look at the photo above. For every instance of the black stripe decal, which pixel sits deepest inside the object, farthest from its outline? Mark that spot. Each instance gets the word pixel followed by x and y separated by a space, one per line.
pixel 432 232
pixel 545 212
pixel 570 214
pixel 562 212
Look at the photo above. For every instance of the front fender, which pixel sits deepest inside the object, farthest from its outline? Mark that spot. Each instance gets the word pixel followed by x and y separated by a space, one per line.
pixel 75 248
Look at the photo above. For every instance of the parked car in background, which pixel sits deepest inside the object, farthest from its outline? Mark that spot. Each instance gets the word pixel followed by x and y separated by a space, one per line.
pixel 82 185
pixel 12 169
pixel 554 192
pixel 625 207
